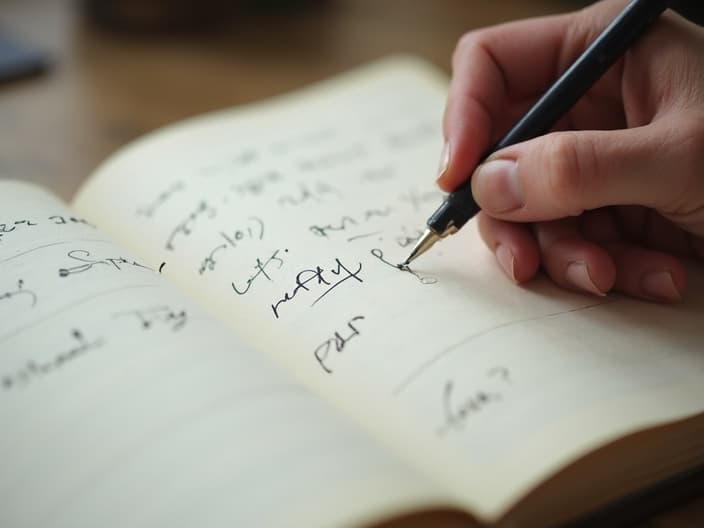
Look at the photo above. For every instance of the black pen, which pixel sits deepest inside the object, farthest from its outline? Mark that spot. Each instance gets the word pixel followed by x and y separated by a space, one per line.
pixel 619 35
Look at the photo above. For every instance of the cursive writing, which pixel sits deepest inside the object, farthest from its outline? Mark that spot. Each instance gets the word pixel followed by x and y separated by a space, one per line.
pixel 149 317
pixel 337 342
pixel 88 263
pixel 329 278
pixel 185 227
pixel 35 369
pixel 20 291
pixel 252 230
pixel 457 410
pixel 163 197
pixel 261 267
pixel 307 193
pixel 424 279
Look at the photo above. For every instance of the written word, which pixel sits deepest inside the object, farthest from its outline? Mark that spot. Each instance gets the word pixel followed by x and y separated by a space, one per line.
pixel 336 343
pixel 261 271
pixel 253 229
pixel 322 281
pixel 185 227
pixel 347 222
pixel 88 263
pixel 458 409
pixel 20 291
pixel 316 192
pixel 35 369
pixel 149 318
pixel 424 279
pixel 163 197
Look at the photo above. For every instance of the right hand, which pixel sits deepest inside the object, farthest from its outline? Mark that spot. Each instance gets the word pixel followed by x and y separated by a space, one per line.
pixel 614 197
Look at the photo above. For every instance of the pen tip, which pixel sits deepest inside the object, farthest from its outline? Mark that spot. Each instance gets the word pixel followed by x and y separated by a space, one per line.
pixel 424 243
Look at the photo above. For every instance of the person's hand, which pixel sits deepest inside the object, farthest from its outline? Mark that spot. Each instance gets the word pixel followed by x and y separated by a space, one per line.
pixel 615 195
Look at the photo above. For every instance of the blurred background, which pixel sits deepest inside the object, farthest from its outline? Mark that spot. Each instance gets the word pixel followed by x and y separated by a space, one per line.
pixel 84 77
pixel 116 69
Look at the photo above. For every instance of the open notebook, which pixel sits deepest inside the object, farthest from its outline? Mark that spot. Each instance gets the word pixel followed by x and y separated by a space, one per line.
pixel 214 334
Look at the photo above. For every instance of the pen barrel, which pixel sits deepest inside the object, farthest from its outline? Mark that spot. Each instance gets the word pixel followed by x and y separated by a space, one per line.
pixel 457 209
pixel 584 72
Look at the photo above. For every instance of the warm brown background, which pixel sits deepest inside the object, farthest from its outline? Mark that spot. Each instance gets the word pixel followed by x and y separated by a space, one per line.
pixel 108 87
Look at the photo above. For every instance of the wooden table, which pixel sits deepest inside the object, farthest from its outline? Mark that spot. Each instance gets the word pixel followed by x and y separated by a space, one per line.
pixel 107 88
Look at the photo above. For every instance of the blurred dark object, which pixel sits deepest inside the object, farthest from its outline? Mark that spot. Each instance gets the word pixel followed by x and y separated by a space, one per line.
pixel 693 10
pixel 18 60
pixel 180 15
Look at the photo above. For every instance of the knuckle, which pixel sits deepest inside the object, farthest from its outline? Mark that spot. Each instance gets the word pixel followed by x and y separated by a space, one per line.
pixel 568 163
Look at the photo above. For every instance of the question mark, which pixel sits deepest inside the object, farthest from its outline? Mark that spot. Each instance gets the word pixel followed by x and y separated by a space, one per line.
pixel 502 372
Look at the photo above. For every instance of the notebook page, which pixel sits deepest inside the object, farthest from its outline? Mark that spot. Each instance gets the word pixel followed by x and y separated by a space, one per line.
pixel 287 218
pixel 123 404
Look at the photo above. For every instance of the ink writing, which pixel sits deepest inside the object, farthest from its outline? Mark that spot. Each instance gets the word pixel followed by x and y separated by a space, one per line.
pixel 88 263
pixel 316 193
pixel 458 409
pixel 33 370
pixel 148 318
pixel 336 343
pixel 185 227
pixel 163 197
pixel 319 279
pixel 252 230
pixel 261 271
pixel 424 279
pixel 20 291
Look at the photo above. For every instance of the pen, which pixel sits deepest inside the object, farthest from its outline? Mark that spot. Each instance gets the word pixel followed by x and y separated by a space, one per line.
pixel 459 206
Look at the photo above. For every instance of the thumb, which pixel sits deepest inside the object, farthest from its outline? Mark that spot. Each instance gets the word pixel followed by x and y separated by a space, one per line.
pixel 565 173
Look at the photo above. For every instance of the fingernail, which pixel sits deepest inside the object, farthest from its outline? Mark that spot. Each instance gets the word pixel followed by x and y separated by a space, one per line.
pixel 506 260
pixel 444 161
pixel 577 274
pixel 659 285
pixel 496 184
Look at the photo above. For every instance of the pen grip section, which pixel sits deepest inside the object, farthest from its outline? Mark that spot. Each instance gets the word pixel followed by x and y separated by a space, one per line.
pixel 455 211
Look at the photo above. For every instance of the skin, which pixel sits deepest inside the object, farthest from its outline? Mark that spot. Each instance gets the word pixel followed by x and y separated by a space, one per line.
pixel 613 198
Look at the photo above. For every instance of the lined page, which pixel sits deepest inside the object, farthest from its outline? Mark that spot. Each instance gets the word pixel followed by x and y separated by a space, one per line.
pixel 123 404
pixel 287 219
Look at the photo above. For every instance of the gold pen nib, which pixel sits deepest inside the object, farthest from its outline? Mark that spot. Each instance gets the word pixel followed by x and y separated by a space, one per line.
pixel 425 242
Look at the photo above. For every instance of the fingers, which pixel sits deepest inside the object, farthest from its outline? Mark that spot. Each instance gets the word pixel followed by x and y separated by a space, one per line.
pixel 513 245
pixel 565 173
pixel 589 257
pixel 499 71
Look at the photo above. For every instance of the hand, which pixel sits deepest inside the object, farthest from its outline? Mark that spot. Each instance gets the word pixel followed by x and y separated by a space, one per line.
pixel 614 197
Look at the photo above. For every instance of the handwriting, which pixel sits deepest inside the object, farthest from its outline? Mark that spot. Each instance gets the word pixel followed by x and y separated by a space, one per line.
pixel 21 290
pixel 87 263
pixel 318 276
pixel 418 133
pixel 255 186
pixel 306 194
pixel 261 271
pixel 378 174
pixel 417 200
pixel 161 199
pixel 347 221
pixel 185 227
pixel 63 220
pixel 33 370
pixel 405 239
pixel 253 230
pixel 12 226
pixel 424 279
pixel 323 231
pixel 329 160
pixel 336 342
pixel 457 412
pixel 148 317
pixel 241 159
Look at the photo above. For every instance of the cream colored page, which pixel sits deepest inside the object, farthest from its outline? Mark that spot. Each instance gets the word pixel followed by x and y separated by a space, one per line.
pixel 287 218
pixel 123 404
